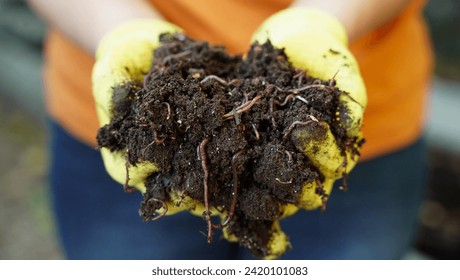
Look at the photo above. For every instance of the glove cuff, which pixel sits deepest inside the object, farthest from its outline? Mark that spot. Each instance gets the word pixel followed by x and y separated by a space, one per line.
pixel 291 21
pixel 137 29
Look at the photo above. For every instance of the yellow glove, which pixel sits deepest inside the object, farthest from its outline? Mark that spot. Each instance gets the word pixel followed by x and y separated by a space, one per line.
pixel 317 43
pixel 123 56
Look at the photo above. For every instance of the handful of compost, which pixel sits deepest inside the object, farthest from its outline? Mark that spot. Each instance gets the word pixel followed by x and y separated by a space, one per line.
pixel 242 142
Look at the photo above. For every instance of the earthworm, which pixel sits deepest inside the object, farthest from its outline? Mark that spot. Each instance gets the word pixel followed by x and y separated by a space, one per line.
pixel 244 107
pixel 296 123
pixel 297 90
pixel 300 76
pixel 235 190
pixel 286 100
pixel 162 214
pixel 216 78
pixel 272 109
pixel 177 55
pixel 207 213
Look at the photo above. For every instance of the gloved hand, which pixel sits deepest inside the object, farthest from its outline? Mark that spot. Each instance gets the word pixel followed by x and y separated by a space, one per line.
pixel 317 43
pixel 123 56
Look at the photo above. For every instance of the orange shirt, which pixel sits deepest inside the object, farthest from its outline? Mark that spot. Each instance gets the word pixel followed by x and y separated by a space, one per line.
pixel 395 62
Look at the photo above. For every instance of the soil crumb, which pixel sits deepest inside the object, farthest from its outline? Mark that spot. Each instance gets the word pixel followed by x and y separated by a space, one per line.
pixel 218 127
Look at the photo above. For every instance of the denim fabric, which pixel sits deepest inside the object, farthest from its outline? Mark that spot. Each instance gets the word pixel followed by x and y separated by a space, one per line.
pixel 374 219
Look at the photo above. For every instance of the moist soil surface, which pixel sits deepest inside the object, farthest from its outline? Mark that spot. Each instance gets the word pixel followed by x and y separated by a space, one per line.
pixel 218 126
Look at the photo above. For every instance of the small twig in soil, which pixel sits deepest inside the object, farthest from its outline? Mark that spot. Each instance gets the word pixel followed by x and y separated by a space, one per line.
pixel 165 207
pixel 216 78
pixel 168 107
pixel 256 132
pixel 236 116
pixel 289 98
pixel 297 123
pixel 282 182
pixel 231 212
pixel 349 96
pixel 246 97
pixel 244 107
pixel 289 155
pixel 298 97
pixel 298 90
pixel 332 80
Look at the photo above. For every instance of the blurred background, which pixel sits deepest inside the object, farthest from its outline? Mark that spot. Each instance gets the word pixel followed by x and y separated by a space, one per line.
pixel 26 226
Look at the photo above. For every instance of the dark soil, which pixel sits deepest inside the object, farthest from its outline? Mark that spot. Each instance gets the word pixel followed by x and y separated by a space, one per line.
pixel 215 124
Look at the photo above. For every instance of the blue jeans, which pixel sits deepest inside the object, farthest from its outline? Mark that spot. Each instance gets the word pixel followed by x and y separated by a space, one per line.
pixel 374 219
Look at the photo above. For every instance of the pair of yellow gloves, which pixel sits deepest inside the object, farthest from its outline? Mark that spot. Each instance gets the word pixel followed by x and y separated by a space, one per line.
pixel 313 41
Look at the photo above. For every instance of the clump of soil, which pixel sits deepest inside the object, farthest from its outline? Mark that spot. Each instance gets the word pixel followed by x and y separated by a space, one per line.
pixel 218 127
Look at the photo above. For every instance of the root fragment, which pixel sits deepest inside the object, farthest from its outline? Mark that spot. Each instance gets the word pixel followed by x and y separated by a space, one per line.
pixel 300 75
